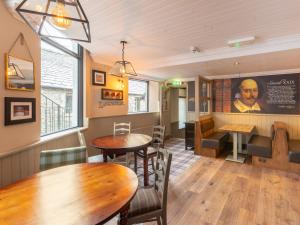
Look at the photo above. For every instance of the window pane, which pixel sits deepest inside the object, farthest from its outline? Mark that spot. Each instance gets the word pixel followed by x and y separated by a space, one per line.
pixel 137 96
pixel 181 112
pixel 59 84
pixel 69 44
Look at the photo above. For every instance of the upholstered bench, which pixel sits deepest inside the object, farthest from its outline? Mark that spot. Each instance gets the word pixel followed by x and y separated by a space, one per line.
pixel 216 140
pixel 260 146
pixel 294 151
pixel 211 142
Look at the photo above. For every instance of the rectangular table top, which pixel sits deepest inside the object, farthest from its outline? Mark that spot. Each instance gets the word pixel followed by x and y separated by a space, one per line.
pixel 240 128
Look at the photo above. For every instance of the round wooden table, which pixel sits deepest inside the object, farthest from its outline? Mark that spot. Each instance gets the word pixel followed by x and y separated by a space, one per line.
pixel 118 144
pixel 85 194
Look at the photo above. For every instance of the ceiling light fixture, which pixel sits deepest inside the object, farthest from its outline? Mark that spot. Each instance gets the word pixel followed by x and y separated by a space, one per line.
pixel 123 68
pixel 63 19
pixel 241 42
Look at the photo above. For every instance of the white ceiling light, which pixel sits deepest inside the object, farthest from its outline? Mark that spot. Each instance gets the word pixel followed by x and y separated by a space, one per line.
pixel 241 42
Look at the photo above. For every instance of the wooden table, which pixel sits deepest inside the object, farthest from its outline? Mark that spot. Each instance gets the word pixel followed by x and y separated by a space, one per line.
pixel 85 194
pixel 237 130
pixel 118 144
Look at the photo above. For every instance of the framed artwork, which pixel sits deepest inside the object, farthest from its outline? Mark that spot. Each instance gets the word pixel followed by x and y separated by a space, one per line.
pixel 110 94
pixel 19 110
pixel 99 77
pixel 19 73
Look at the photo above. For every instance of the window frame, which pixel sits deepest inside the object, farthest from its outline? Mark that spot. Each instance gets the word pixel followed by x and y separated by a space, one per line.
pixel 147 82
pixel 79 57
pixel 207 98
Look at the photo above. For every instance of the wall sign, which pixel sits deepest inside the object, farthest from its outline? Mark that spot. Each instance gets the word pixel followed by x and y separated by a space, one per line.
pixel 110 94
pixel 275 94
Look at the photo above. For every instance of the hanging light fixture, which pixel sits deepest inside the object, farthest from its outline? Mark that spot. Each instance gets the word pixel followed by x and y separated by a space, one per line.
pixel 122 68
pixel 63 19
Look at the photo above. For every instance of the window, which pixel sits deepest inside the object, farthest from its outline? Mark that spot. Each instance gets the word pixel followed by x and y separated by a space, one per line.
pixel 204 96
pixel 137 96
pixel 61 86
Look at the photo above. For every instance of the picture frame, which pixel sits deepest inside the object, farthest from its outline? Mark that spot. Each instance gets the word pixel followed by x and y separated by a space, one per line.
pixel 98 78
pixel 19 110
pixel 110 94
pixel 19 73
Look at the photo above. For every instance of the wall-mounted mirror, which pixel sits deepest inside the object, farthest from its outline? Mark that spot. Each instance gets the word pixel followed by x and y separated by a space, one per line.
pixel 19 73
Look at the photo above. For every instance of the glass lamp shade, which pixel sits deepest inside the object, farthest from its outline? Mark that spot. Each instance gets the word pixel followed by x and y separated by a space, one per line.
pixel 63 19
pixel 122 69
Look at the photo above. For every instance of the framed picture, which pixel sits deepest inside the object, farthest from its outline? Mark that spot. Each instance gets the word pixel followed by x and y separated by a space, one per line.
pixel 99 78
pixel 109 94
pixel 19 110
pixel 19 74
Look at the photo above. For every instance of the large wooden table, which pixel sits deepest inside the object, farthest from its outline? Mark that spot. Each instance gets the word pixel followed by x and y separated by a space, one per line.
pixel 237 130
pixel 118 144
pixel 85 194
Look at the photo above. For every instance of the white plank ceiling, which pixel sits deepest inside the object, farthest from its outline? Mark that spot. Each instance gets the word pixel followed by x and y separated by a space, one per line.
pixel 160 33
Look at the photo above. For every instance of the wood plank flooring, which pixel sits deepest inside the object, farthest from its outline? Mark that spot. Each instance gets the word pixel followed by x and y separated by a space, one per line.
pixel 218 192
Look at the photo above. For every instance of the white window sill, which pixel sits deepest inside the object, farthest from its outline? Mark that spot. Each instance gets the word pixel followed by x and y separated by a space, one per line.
pixel 60 134
pixel 138 113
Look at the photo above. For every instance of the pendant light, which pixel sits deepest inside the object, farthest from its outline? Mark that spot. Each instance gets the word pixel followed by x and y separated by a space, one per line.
pixel 122 68
pixel 63 19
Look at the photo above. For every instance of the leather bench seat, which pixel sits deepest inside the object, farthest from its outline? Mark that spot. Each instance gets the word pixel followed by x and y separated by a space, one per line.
pixel 260 146
pixel 294 151
pixel 216 140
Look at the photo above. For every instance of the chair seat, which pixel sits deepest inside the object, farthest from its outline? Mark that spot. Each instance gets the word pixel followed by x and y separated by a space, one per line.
pixel 260 146
pixel 215 140
pixel 151 152
pixel 294 151
pixel 146 200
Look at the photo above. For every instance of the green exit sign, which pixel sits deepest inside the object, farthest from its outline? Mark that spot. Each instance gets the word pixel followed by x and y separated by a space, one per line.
pixel 176 83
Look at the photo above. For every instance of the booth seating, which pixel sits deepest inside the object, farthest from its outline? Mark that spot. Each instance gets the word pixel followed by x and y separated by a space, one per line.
pixel 285 152
pixel 261 146
pixel 208 142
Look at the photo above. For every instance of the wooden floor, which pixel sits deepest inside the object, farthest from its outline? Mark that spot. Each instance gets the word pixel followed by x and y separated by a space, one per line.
pixel 215 191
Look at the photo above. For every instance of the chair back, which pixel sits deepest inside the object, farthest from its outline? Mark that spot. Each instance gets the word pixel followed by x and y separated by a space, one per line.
pixel 162 173
pixel 158 136
pixel 122 128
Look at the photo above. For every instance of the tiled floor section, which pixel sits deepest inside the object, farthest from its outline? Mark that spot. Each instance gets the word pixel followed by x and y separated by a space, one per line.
pixel 181 160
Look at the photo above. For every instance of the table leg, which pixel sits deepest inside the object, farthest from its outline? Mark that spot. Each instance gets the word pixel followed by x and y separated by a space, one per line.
pixel 124 216
pixel 240 143
pixel 146 175
pixel 237 143
pixel 135 162
pixel 104 156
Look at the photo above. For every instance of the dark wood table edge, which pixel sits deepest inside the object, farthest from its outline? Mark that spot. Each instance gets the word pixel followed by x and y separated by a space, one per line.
pixel 127 149
pixel 123 211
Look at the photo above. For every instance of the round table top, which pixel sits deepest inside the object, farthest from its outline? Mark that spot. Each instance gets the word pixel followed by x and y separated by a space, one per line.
pixel 77 194
pixel 125 141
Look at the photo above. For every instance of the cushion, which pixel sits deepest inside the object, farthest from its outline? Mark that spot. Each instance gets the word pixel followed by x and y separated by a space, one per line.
pixel 294 151
pixel 60 157
pixel 146 200
pixel 260 146
pixel 215 140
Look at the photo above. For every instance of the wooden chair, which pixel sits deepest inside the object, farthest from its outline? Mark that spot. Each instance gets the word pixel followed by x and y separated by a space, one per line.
pixel 65 156
pixel 158 140
pixel 121 129
pixel 150 204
